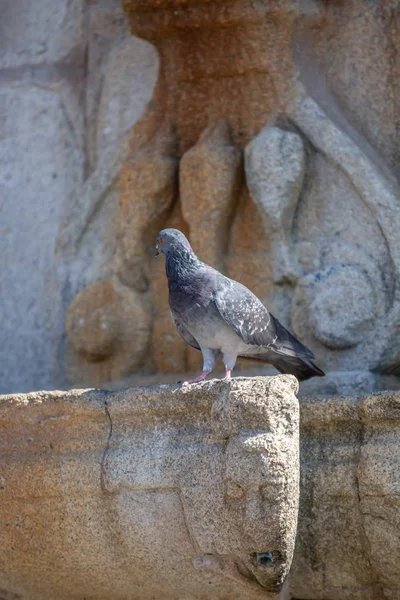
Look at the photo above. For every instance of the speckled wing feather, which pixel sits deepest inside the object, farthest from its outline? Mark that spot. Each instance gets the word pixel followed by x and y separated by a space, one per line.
pixel 183 331
pixel 249 318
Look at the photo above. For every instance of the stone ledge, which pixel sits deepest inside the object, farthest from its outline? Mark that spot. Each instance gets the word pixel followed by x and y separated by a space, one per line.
pixel 150 492
pixel 347 544
pixel 153 488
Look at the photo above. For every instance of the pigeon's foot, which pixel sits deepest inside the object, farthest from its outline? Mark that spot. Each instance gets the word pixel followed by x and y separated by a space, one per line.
pixel 228 374
pixel 200 377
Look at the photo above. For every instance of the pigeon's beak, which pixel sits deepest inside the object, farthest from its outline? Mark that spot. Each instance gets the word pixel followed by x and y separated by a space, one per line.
pixel 157 250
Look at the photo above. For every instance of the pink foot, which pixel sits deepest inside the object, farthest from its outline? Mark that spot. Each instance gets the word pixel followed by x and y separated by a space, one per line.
pixel 200 377
pixel 228 374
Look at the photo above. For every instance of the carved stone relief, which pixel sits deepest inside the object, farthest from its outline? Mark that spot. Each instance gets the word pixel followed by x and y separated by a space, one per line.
pixel 271 180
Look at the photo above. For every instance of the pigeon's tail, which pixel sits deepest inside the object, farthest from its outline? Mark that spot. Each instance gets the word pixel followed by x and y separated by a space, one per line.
pixel 300 367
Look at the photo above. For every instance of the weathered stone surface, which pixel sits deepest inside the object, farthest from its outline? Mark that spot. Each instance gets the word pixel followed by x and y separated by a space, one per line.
pixel 148 190
pixel 108 327
pixel 209 182
pixel 349 528
pixel 334 198
pixel 351 298
pixel 125 68
pixel 275 162
pixel 107 29
pixel 98 489
pixel 131 68
pixel 122 67
pixel 341 306
pixel 346 383
pixel 355 52
pixel 151 492
pixel 40 165
pixel 40 32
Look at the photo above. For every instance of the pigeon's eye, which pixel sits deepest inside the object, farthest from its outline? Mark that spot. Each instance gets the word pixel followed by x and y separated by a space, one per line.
pixel 160 241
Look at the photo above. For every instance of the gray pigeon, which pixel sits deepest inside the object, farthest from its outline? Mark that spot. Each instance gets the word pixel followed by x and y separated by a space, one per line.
pixel 217 315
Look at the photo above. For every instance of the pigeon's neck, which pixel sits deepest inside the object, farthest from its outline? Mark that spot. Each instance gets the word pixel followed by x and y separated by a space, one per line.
pixel 181 264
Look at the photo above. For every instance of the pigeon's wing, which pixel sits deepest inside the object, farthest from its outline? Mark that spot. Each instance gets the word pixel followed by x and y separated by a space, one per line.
pixel 183 331
pixel 249 318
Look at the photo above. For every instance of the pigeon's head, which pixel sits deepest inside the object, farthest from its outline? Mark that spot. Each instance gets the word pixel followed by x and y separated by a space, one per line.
pixel 172 240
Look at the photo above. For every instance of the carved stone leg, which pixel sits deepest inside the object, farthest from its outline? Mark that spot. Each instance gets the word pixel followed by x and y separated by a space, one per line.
pixel 209 183
pixel 274 162
pixel 148 189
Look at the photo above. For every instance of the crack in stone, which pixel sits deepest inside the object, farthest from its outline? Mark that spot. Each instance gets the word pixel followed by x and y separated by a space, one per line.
pixel 192 537
pixel 367 514
pixel 366 543
pixel 103 464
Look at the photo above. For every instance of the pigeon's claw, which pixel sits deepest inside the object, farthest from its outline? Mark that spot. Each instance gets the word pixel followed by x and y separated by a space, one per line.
pixel 200 377
pixel 228 374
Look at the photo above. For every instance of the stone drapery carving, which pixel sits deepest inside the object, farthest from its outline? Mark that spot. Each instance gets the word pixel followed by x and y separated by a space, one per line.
pixel 108 320
pixel 345 300
pixel 275 165
pixel 209 184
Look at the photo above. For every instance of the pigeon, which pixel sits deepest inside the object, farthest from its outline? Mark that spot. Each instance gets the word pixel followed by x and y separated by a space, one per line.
pixel 220 316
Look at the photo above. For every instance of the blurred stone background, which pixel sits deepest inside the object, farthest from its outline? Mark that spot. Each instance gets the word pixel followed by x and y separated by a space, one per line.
pixel 268 132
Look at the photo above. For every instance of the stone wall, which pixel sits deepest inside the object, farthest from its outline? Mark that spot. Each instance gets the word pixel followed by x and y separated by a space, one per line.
pixel 42 163
pixel 267 132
